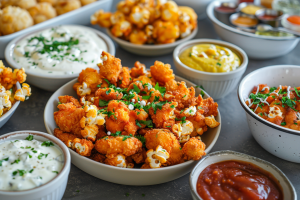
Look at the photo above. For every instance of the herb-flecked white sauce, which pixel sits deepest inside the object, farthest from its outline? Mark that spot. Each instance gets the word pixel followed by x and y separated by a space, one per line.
pixel 60 50
pixel 26 164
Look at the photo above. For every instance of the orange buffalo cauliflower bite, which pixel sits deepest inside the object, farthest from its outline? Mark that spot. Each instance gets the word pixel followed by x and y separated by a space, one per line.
pixel 42 12
pixel 126 117
pixel 86 2
pixel 101 18
pixel 64 6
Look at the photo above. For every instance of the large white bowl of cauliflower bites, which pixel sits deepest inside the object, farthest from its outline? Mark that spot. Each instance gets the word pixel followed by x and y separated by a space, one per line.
pixel 133 126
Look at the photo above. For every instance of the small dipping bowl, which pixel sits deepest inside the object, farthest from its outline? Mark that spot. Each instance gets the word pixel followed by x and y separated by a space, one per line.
pixel 289 25
pixel 242 6
pixel 235 16
pixel 269 16
pixel 223 11
pixel 289 192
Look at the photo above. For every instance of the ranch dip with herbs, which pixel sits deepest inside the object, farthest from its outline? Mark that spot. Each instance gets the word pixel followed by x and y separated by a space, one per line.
pixel 26 164
pixel 60 50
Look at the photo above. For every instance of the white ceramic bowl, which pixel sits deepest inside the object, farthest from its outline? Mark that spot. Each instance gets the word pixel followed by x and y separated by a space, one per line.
pixel 286 24
pixel 126 176
pixel 256 46
pixel 79 16
pixel 150 49
pixel 51 82
pixel 4 118
pixel 288 189
pixel 54 189
pixel 217 85
pixel 198 5
pixel 279 141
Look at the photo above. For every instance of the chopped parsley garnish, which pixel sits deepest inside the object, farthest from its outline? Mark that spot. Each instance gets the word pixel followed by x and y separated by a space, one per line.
pixel 47 143
pixel 162 90
pixel 118 133
pixel 108 91
pixel 41 156
pixel 142 139
pixel 5 159
pixel 16 161
pixel 55 172
pixel 30 156
pixel 136 89
pixel 125 137
pixel 184 96
pixel 219 64
pixel 31 171
pixel 182 120
pixel 202 89
pixel 168 126
pixel 172 106
pixel 34 151
pixel 99 85
pixel 283 123
pixel 21 172
pixel 126 194
pixel 297 92
pixel 272 89
pixel 190 54
pixel 148 123
pixel 29 138
pixel 103 103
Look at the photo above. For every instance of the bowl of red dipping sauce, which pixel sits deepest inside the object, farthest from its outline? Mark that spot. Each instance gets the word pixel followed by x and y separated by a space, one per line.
pixel 269 16
pixel 229 175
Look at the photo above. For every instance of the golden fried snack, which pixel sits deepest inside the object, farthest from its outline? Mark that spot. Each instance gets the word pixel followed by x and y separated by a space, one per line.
pixel 125 6
pixel 101 18
pixel 108 94
pixel 21 94
pixel 194 149
pixel 162 137
pixel 124 78
pixel 138 37
pixel 165 32
pixel 64 6
pixel 210 107
pixel 176 155
pixel 117 145
pixel 98 157
pixel 83 147
pixel 5 3
pixel 91 77
pixel 14 19
pixel 25 4
pixel 169 11
pixel 138 69
pixel 162 72
pixel 66 138
pixel 52 2
pixel 111 67
pixel 68 118
pixel 157 157
pixel 69 99
pixel 164 117
pixel 5 104
pixel 121 29
pixel 117 161
pixel 119 117
pixel 86 2
pixel 42 12
pixel 117 17
pixel 211 122
pixel 9 78
pixel 140 157
pixel 187 21
pixel 139 16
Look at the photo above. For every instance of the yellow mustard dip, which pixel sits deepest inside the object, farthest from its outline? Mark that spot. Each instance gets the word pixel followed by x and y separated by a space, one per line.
pixel 210 58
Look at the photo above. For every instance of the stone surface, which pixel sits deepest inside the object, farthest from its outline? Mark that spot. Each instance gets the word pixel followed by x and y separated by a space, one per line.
pixel 235 135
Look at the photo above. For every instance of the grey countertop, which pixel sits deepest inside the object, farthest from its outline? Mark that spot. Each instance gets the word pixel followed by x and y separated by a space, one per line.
pixel 235 134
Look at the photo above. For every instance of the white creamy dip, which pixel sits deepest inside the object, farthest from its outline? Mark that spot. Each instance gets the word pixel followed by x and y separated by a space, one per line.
pixel 60 50
pixel 28 164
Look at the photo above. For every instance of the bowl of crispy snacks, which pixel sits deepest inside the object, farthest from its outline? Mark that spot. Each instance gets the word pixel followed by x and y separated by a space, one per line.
pixel 11 92
pixel 148 28
pixel 133 127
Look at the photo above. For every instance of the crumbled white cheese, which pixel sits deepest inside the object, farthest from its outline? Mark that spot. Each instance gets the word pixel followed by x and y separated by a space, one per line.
pixel 131 107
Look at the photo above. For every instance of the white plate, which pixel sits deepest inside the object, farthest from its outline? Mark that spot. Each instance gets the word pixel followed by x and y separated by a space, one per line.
pixel 51 82
pixel 151 49
pixel 79 16
pixel 127 176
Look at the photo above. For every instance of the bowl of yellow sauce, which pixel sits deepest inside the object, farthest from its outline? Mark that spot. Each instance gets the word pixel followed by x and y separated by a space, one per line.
pixel 215 65
pixel 249 8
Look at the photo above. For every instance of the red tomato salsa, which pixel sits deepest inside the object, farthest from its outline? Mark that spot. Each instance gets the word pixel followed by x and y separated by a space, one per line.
pixel 237 180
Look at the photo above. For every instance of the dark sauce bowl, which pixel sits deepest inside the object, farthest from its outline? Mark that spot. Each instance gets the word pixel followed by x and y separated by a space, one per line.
pixel 269 16
pixel 223 11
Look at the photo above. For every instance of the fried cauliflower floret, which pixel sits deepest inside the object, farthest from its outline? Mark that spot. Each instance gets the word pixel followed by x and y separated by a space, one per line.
pixel 121 28
pixel 169 11
pixel 69 99
pixel 157 157
pixel 14 19
pixel 6 3
pixel 21 94
pixel 194 149
pixel 165 32
pixel 68 118
pixel 66 138
pixel 25 4
pixel 199 124
pixel 64 6
pixel 117 145
pixel 139 69
pixel 124 78
pixel 98 157
pixel 162 72
pixel 183 131
pixel 83 147
pixel 5 102
pixel 117 17
pixel 209 106
pixel 140 157
pixel 125 6
pixel 117 161
pixel 138 37
pixel 111 67
pixel 91 77
pixel 108 94
pixel 162 137
pixel 187 21
pixel 119 117
pixel 164 117
pixel 52 2
pixel 101 18
pixel 139 16
pixel 86 2
pixel 191 13
pixel 9 78
pixel 211 122
pixel 176 155
pixel 42 12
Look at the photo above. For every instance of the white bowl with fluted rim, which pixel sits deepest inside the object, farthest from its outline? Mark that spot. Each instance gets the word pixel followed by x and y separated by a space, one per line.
pixel 217 85
pixel 4 118
pixel 256 46
pixel 52 190
pixel 51 82
pixel 289 192
pixel 150 49
pixel 127 176
pixel 279 141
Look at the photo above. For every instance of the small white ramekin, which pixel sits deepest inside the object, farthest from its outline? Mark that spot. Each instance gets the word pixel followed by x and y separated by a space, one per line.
pixel 279 141
pixel 54 189
pixel 289 192
pixel 217 85
pixel 4 118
